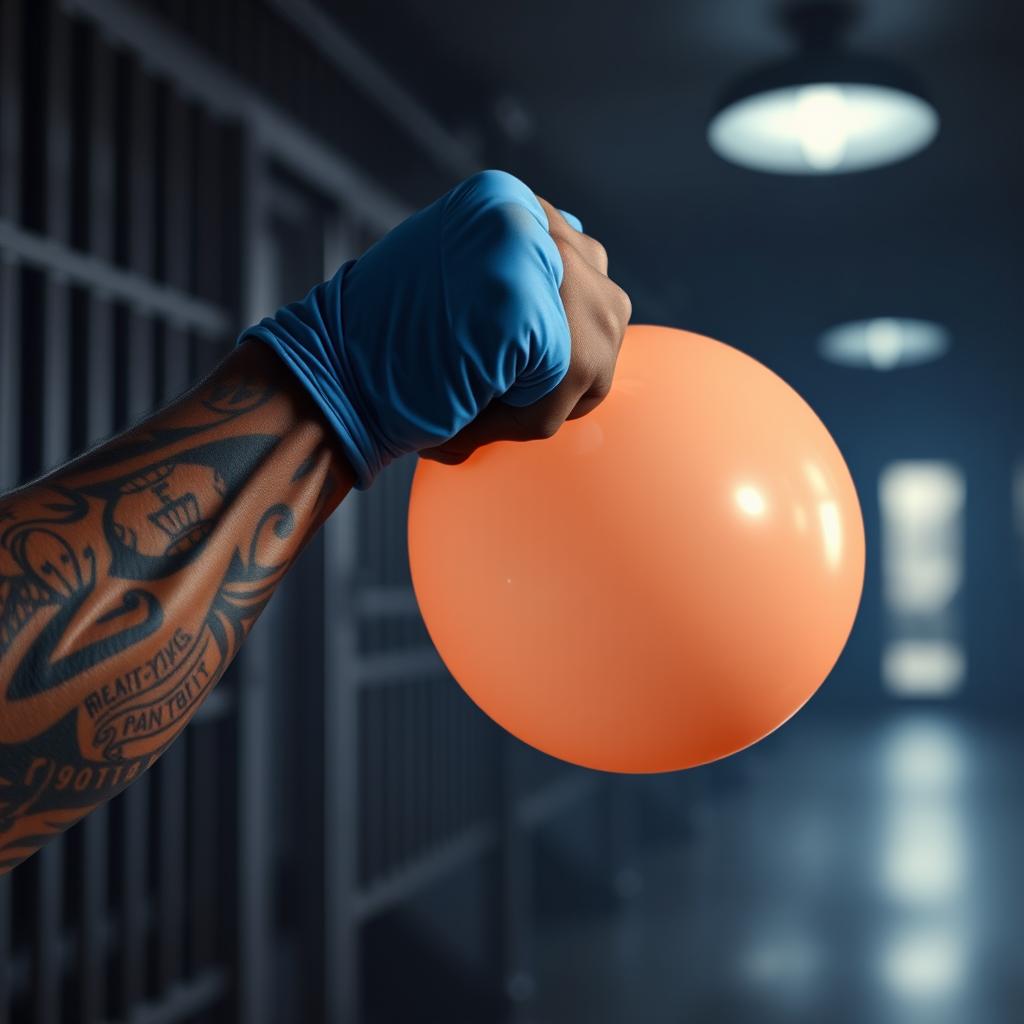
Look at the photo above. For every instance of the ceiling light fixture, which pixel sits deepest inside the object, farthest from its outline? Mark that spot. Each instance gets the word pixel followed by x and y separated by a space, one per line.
pixel 884 343
pixel 826 111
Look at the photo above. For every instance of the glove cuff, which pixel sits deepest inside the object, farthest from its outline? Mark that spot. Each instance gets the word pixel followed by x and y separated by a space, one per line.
pixel 308 338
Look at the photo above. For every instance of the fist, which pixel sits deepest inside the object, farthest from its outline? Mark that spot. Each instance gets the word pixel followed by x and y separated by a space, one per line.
pixel 596 311
pixel 485 316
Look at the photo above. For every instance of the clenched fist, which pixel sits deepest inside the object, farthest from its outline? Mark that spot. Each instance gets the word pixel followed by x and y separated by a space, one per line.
pixel 485 316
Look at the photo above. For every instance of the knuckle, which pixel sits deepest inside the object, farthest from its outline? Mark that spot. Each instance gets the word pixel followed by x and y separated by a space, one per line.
pixel 598 253
pixel 625 305
pixel 609 319
pixel 544 428
pixel 584 367
pixel 571 259
pixel 496 184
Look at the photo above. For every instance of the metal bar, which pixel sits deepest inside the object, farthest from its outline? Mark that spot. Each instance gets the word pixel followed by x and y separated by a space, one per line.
pixel 140 377
pixel 342 778
pixel 378 600
pixel 392 667
pixel 102 206
pixel 376 84
pixel 372 783
pixel 98 392
pixel 141 176
pixel 185 1000
pixel 234 143
pixel 10 109
pixel 46 959
pixel 10 202
pixel 196 75
pixel 392 747
pixel 178 196
pixel 10 374
pixel 170 780
pixel 143 367
pixel 114 282
pixel 313 733
pixel 203 901
pixel 56 369
pixel 462 772
pixel 99 381
pixel 255 667
pixel 92 909
pixel 407 776
pixel 58 123
pixel 437 760
pixel 511 911
pixel 420 793
pixel 424 871
pixel 175 365
pixel 133 900
pixel 445 736
pixel 208 211
pixel 5 949
pixel 56 202
pixel 254 828
pixel 217 706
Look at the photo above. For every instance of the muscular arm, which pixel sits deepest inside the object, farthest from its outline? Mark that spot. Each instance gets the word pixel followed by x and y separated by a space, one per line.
pixel 130 577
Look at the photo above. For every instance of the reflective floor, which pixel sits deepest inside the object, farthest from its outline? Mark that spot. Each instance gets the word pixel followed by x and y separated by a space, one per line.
pixel 864 871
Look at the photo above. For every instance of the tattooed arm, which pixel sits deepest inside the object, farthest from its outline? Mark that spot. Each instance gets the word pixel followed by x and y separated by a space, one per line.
pixel 130 577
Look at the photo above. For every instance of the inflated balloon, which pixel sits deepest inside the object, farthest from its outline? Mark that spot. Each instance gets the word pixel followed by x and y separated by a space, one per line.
pixel 663 582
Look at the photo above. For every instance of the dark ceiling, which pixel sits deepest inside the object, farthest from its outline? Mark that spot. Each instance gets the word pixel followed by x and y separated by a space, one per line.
pixel 618 95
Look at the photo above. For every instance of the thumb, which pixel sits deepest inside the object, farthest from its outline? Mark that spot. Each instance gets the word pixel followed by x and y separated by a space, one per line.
pixel 498 422
pixel 501 421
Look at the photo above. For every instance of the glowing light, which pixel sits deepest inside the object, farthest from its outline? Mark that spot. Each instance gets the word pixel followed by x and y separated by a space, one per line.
pixel 923 668
pixel 884 343
pixel 924 859
pixel 821 125
pixel 922 507
pixel 751 501
pixel 924 963
pixel 924 757
pixel 922 490
pixel 823 128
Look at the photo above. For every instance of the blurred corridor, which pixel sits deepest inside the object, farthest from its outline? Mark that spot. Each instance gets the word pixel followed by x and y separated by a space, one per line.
pixel 846 870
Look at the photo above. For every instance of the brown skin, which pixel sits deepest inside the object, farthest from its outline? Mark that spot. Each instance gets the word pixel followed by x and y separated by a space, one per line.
pixel 597 310
pixel 130 577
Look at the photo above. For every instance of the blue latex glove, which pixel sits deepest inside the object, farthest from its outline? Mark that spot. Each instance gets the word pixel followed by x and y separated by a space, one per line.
pixel 455 307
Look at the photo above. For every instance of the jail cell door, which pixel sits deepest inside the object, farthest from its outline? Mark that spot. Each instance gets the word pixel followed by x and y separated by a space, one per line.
pixel 282 794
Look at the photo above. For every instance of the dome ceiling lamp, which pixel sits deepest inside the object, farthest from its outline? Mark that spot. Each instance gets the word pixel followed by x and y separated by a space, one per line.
pixel 884 343
pixel 824 111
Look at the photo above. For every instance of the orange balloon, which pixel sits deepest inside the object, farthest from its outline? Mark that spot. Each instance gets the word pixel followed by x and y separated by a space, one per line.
pixel 663 582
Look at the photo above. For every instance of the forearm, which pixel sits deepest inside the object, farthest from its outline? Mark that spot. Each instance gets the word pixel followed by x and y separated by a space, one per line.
pixel 130 577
